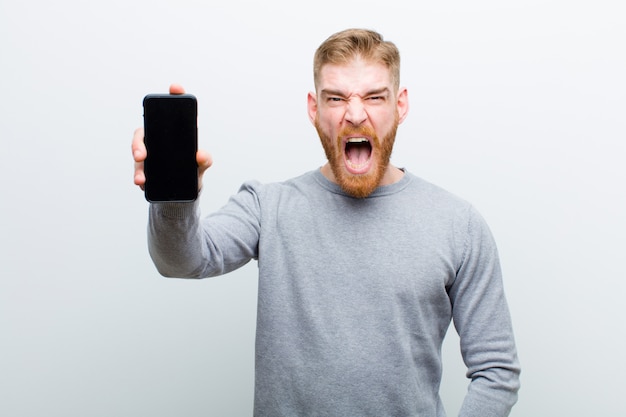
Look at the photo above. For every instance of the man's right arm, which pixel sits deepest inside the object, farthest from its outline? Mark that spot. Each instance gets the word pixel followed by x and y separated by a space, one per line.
pixel 174 228
pixel 182 244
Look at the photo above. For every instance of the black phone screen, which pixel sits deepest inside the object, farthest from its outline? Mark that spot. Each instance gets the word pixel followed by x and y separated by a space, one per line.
pixel 171 138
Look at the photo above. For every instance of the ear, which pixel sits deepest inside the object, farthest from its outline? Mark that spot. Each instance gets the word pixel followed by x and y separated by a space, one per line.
pixel 402 104
pixel 311 102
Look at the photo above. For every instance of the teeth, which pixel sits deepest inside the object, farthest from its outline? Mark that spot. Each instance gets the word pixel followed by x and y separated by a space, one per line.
pixel 357 140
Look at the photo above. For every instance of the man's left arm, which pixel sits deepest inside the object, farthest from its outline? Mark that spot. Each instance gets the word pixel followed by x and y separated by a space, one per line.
pixel 482 320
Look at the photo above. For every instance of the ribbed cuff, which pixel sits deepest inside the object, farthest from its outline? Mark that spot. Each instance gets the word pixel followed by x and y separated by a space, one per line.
pixel 175 210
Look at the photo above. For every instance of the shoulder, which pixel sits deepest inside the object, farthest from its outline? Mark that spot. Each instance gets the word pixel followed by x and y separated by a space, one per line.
pixel 434 197
pixel 442 206
pixel 302 184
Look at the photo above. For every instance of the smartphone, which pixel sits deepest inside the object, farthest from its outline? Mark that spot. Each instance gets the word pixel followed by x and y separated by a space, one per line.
pixel 171 139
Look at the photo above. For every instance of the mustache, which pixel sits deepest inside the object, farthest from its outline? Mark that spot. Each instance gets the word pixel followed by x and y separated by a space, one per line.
pixel 364 131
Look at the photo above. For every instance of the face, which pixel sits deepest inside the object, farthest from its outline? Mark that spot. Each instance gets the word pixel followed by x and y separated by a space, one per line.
pixel 356 112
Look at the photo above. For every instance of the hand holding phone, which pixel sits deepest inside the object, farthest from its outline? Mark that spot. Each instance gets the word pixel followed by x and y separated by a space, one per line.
pixel 171 141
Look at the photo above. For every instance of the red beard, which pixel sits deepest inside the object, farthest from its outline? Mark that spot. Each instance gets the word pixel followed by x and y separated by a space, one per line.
pixel 361 185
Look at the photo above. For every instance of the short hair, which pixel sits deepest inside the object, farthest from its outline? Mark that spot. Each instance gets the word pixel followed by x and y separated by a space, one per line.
pixel 342 47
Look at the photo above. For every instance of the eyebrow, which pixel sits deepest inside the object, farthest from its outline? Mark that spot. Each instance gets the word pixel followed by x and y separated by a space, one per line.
pixel 330 92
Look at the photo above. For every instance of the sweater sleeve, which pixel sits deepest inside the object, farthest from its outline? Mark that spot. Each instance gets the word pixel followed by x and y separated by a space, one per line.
pixel 183 245
pixel 482 320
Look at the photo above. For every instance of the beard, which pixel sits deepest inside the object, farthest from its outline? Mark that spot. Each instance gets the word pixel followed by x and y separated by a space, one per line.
pixel 358 185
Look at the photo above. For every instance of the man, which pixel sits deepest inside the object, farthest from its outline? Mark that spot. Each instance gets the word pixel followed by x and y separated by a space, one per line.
pixel 362 265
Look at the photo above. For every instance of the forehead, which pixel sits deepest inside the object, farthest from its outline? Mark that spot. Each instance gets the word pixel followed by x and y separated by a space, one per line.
pixel 355 77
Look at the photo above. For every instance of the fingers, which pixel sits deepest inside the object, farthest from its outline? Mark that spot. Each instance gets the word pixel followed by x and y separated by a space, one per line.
pixel 204 160
pixel 138 147
pixel 139 155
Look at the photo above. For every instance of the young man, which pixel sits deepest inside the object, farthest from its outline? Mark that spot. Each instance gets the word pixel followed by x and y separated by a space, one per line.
pixel 362 265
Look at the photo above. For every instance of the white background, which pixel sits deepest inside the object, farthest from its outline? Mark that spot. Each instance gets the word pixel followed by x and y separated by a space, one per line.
pixel 518 107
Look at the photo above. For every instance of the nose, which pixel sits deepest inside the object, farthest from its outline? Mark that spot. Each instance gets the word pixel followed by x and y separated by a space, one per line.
pixel 355 111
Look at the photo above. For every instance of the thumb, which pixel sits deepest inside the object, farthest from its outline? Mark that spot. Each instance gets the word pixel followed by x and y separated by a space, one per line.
pixel 177 89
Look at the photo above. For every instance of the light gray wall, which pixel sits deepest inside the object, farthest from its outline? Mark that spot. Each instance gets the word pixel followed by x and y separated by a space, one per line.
pixel 519 107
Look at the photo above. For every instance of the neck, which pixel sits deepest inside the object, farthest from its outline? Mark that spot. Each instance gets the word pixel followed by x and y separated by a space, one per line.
pixel 392 175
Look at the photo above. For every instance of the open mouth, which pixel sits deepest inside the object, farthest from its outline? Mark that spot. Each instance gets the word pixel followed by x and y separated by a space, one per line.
pixel 358 153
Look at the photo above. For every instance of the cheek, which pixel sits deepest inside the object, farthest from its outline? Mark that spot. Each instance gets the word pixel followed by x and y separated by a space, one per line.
pixel 329 125
pixel 382 114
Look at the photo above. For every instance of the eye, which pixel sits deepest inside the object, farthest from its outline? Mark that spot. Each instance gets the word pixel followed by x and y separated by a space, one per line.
pixel 335 101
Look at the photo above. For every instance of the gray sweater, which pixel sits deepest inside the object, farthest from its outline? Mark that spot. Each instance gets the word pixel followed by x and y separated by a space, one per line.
pixel 355 295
